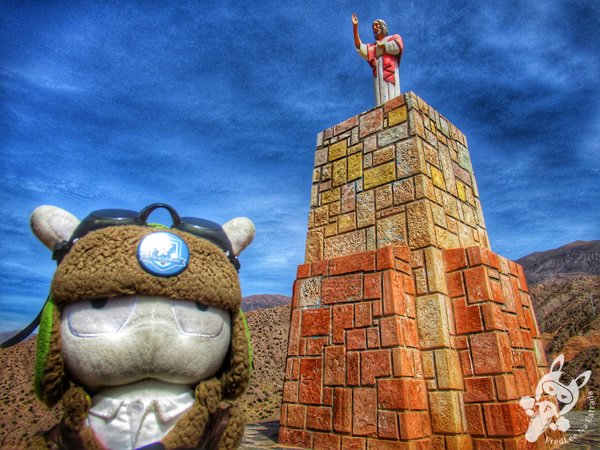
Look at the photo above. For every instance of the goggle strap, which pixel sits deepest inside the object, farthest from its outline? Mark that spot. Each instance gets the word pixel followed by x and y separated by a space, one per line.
pixel 145 213
pixel 25 331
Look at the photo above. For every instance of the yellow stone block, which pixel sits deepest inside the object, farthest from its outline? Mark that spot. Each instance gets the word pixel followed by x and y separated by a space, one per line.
pixel 330 196
pixel 355 148
pixel 460 188
pixel 447 415
pixel 397 115
pixel 438 178
pixel 432 321
pixel 347 222
pixel 330 229
pixel 436 273
pixel 339 172
pixel 448 369
pixel 338 150
pixel 355 169
pixel 386 173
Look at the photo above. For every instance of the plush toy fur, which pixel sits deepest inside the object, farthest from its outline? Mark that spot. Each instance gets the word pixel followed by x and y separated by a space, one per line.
pixel 103 264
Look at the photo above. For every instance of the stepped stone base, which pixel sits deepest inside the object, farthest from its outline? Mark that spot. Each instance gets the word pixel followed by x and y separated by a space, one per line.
pixel 374 361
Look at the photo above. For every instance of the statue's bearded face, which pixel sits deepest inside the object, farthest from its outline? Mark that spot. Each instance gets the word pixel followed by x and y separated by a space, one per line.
pixel 377 29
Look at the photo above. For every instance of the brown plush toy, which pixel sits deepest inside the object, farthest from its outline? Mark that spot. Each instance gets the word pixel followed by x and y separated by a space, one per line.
pixel 142 337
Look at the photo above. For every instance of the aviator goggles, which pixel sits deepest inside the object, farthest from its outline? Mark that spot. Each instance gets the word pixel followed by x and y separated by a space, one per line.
pixel 205 229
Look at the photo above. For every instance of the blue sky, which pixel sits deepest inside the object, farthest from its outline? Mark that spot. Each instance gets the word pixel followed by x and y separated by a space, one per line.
pixel 214 108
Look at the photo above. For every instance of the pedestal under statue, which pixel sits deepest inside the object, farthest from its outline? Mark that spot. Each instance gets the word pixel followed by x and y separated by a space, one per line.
pixel 384 58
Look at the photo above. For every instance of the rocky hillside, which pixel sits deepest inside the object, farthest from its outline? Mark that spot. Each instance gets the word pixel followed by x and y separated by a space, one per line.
pixel 576 257
pixel 254 302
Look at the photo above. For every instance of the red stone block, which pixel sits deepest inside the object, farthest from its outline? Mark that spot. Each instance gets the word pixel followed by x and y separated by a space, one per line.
pixel 493 317
pixel 526 339
pixel 335 366
pixel 506 387
pixel 491 353
pixel 497 293
pixel 454 282
pixel 414 425
pixel 522 279
pixel 381 444
pixel 318 418
pixel 505 419
pixel 409 285
pixel 290 391
pixel 523 385
pixel 372 286
pixel 316 322
pixel 359 262
pixel 393 293
pixel 342 320
pixel 402 252
pixel 294 339
pixel 318 268
pixel 342 410
pixel 488 444
pixel 374 364
pixel 346 125
pixel 474 416
pixel 468 318
pixel 296 416
pixel 402 362
pixel 410 306
pixel 386 258
pixel 394 103
pixel 314 346
pixel 494 260
pixel 362 315
pixel 377 308
pixel 295 294
pixel 391 331
pixel 478 285
pixel 467 366
pixel 454 259
pixel 387 425
pixel 531 367
pixel 364 418
pixel 477 256
pixel 302 347
pixel 373 340
pixel 514 332
pixel 298 438
pixel 328 396
pixel 402 393
pixel 353 443
pixel 310 381
pixel 356 339
pixel 403 267
pixel 347 288
pixel 479 389
pixel 353 368
pixel 411 335
pixel 303 271
pixel 326 441
pixel 370 122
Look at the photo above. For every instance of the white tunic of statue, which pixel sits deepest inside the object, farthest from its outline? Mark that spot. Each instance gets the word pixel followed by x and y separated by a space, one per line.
pixel 384 91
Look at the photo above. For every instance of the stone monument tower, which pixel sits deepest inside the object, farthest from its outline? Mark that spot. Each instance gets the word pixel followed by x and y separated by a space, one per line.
pixel 407 331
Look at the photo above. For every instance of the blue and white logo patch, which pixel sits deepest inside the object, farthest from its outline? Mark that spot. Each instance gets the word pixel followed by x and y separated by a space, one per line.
pixel 163 254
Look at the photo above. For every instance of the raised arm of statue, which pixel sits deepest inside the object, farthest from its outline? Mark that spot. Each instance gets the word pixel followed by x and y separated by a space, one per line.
pixel 357 41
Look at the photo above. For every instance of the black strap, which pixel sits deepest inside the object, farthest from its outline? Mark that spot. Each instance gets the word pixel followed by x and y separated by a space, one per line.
pixel 24 332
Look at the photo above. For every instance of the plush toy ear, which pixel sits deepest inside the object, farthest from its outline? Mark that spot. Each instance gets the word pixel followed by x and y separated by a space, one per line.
pixel 52 225
pixel 240 232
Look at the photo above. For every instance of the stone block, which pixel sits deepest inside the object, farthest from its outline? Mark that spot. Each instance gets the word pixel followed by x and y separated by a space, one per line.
pixel 379 175
pixel 387 425
pixel 397 116
pixel 432 321
pixel 468 318
pixel 314 246
pixel 409 158
pixel 364 417
pixel 310 381
pixel 374 364
pixel 391 331
pixel 356 339
pixel 365 209
pixel 383 197
pixel 421 232
pixel 392 230
pixel 414 425
pixel 341 289
pixel 393 293
pixel 342 410
pixel 370 122
pixel 339 174
pixel 437 177
pixel 436 273
pixel 383 155
pixel 392 134
pixel 345 244
pixel 316 322
pixel 363 315
pixel 505 419
pixel 309 292
pixel 337 150
pixel 446 412
pixel 335 366
pixel 491 353
pixel 403 191
pixel 355 168
pixel 448 369
pixel 372 286
pixel 402 394
pixel 326 441
pixel 347 222
pixel 342 320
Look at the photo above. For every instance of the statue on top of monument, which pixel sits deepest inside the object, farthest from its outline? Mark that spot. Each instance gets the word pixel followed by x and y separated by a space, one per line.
pixel 384 57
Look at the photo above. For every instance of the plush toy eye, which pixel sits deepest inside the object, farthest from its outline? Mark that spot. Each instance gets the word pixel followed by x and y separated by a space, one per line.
pixel 88 318
pixel 198 319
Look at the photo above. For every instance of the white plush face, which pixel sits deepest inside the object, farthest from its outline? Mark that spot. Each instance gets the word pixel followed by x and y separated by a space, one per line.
pixel 128 339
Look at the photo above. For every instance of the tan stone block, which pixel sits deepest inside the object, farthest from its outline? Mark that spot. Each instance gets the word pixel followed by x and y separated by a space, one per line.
pixel 324 186
pixel 326 172
pixel 367 161
pixel 397 116
pixel 383 155
pixel 446 239
pixel 436 273
pixel 330 196
pixel 448 369
pixel 439 216
pixel 334 210
pixel 339 172
pixel 330 229
pixel 338 150
pixel 447 170
pixel 452 225
pixel 431 155
pixel 421 231
pixel 348 197
pixel 314 195
pixel 355 169
pixel 480 219
pixel 371 241
pixel 310 292
pixel 321 216
pixel 392 134
pixel 465 235
pixel 345 244
pixel 459 442
pixel 403 191
pixel 347 222
pixel 424 187
pixel 432 321
pixel 391 231
pixel 469 215
pixel 415 123
pixel 437 177
pixel 383 197
pixel 314 246
pixel 376 176
pixel 449 203
pixel 316 175
pixel 409 157
pixel 446 412
pixel 365 209
pixel 428 364
pixel 420 281
pixel 320 156
pixel 460 189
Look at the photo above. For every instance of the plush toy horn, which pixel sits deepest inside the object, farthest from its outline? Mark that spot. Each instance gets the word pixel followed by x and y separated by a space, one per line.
pixel 240 232
pixel 52 225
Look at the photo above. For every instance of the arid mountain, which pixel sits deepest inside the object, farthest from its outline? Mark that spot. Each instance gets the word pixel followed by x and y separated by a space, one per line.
pixel 576 257
pixel 253 302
